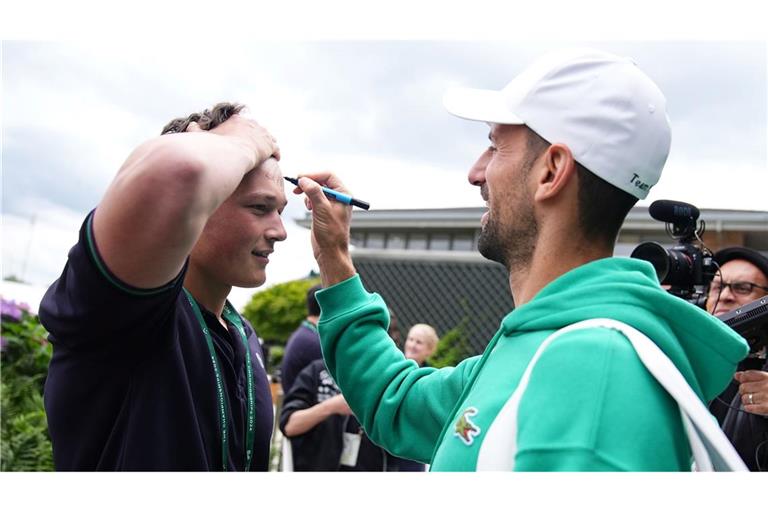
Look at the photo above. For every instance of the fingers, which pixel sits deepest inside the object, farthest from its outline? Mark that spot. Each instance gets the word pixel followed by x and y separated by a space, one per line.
pixel 326 179
pixel 256 137
pixel 753 381
pixel 313 193
pixel 751 376
pixel 755 403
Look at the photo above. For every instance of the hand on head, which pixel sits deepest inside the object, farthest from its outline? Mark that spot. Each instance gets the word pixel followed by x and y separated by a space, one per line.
pixel 248 132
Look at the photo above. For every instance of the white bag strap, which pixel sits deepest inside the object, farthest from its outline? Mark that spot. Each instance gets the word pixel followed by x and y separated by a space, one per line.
pixel 286 454
pixel 709 445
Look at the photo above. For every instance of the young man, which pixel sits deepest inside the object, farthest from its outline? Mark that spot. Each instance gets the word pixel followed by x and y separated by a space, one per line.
pixel 575 140
pixel 152 368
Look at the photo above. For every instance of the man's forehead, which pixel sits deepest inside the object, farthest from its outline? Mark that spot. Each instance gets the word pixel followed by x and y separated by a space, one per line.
pixel 259 185
pixel 267 174
pixel 742 269
pixel 496 131
pixel 271 170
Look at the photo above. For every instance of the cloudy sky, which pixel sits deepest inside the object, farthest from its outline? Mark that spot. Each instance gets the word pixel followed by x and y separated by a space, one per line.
pixel 369 110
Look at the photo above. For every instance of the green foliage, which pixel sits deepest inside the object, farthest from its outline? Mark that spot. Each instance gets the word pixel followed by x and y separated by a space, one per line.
pixel 276 353
pixel 25 444
pixel 453 347
pixel 277 311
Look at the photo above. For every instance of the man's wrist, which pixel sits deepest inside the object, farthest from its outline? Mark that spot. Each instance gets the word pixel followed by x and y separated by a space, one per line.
pixel 335 267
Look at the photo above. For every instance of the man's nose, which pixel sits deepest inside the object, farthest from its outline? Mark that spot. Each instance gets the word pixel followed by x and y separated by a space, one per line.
pixel 726 294
pixel 476 175
pixel 276 232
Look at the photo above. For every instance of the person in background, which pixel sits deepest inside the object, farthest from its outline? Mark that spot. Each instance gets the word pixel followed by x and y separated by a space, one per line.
pixel 742 409
pixel 152 367
pixel 303 346
pixel 421 343
pixel 323 432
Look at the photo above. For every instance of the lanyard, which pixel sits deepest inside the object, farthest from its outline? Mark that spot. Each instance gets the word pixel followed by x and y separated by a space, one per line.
pixel 309 325
pixel 232 317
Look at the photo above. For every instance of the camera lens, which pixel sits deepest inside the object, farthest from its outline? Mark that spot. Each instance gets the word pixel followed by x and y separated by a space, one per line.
pixel 655 254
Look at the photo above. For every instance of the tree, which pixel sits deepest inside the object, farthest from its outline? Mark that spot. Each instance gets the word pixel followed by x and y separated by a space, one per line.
pixel 277 311
pixel 453 347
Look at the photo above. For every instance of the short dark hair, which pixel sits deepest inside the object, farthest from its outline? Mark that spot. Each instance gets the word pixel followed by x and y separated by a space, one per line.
pixel 602 206
pixel 208 119
pixel 313 308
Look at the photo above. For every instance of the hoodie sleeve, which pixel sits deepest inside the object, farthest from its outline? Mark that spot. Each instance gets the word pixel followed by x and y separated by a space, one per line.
pixel 402 407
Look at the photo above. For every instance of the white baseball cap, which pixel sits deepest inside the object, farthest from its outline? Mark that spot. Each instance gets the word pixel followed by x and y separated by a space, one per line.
pixel 609 113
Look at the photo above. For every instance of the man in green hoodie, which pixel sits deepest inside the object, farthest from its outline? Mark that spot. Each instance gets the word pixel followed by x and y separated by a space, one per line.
pixel 575 141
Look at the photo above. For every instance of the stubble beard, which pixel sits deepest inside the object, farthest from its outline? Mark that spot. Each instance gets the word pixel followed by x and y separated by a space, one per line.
pixel 513 245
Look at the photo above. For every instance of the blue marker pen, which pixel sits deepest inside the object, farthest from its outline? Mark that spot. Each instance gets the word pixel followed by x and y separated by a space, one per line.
pixel 336 196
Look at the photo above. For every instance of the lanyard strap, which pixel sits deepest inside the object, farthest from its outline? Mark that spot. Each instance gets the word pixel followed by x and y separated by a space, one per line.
pixel 230 315
pixel 309 325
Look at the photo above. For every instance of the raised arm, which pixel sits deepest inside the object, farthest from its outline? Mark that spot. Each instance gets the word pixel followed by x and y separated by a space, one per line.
pixel 164 193
pixel 402 407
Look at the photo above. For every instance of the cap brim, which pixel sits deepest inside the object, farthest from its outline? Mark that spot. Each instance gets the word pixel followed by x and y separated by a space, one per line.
pixel 479 105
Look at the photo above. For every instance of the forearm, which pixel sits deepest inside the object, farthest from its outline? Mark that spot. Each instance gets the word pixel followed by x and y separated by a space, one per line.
pixel 193 172
pixel 160 201
pixel 304 420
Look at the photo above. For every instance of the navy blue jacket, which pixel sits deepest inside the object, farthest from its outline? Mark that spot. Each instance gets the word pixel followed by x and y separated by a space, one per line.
pixel 131 384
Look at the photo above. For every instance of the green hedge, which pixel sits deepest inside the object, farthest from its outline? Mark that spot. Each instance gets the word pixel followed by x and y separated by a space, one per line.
pixel 277 311
pixel 25 444
pixel 453 347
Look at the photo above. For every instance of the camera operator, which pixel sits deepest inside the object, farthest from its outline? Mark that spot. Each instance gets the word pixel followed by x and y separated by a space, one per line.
pixel 742 409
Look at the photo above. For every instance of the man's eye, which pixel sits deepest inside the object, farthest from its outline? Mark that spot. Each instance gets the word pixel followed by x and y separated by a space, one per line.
pixel 742 287
pixel 259 207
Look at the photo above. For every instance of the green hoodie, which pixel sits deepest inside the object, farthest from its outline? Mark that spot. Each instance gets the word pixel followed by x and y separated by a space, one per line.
pixel 590 403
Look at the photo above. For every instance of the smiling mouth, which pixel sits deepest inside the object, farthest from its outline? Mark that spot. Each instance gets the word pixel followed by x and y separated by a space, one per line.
pixel 262 254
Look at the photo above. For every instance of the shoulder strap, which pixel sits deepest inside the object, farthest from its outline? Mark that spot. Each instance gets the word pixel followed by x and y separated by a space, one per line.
pixel 710 447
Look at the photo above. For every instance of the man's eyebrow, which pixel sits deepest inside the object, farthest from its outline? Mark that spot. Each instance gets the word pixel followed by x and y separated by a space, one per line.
pixel 265 197
pixel 261 196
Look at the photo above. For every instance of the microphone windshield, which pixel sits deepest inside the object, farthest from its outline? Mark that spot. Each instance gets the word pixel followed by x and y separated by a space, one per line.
pixel 674 212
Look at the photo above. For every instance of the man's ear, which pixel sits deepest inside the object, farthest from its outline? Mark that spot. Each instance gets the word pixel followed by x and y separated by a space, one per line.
pixel 557 172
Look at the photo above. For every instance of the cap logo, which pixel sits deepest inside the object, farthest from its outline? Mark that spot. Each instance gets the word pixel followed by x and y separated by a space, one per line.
pixel 636 181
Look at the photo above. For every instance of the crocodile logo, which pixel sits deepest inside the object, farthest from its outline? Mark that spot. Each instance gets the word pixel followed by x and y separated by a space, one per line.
pixel 464 428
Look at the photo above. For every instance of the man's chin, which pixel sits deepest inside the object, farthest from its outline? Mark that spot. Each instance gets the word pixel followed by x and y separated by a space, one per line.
pixel 251 281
